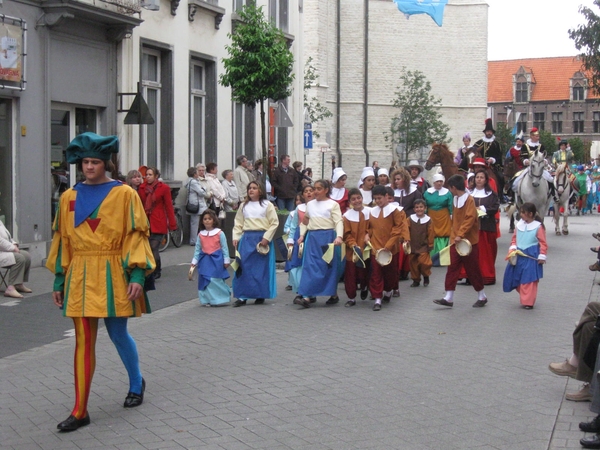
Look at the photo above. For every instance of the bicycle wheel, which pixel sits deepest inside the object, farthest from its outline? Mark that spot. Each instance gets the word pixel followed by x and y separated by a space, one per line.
pixel 164 243
pixel 177 235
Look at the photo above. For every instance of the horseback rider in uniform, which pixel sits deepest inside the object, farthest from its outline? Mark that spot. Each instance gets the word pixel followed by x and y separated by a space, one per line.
pixel 490 150
pixel 533 144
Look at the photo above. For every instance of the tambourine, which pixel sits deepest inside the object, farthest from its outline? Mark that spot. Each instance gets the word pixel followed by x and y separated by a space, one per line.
pixel 191 273
pixel 290 251
pixel 512 259
pixel 262 249
pixel 463 247
pixel 383 256
pixel 300 249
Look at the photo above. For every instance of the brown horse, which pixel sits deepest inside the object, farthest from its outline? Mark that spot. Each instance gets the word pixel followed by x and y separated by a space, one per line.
pixel 441 154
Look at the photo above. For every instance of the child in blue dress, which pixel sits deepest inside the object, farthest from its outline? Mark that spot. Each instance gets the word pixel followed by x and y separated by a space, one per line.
pixel 211 259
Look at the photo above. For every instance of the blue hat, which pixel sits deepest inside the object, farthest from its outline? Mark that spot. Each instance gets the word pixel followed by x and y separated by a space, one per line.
pixel 92 145
pixel 580 167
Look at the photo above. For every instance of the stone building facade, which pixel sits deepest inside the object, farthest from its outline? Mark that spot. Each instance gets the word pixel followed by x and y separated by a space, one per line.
pixel 375 42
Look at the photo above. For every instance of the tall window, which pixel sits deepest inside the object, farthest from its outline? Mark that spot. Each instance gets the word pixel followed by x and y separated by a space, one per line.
pixel 596 121
pixel 539 120
pixel 244 120
pixel 522 124
pixel 278 12
pixel 238 4
pixel 578 93
pixel 197 112
pixel 578 122
pixel 151 89
pixel 557 122
pixel 521 92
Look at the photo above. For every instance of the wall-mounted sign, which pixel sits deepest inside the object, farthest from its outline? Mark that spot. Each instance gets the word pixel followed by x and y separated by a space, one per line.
pixel 12 53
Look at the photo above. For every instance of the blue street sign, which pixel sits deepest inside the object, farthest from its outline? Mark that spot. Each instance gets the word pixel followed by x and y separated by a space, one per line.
pixel 308 141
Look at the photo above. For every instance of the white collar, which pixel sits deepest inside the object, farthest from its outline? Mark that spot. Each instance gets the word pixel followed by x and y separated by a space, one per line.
pixel 211 232
pixel 524 226
pixel 488 140
pixel 402 192
pixel 459 202
pixel 387 210
pixel 423 219
pixel 518 148
pixel 337 193
pixel 533 144
pixel 354 216
pixel 480 193
pixel 442 191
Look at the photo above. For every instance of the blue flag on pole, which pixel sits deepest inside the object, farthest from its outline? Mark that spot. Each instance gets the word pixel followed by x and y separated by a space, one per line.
pixel 433 8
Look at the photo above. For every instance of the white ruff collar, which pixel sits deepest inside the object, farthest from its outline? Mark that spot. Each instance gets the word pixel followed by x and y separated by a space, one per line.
pixel 524 226
pixel 459 202
pixel 354 216
pixel 337 193
pixel 423 219
pixel 387 210
pixel 533 144
pixel 480 193
pixel 488 140
pixel 211 232
pixel 442 191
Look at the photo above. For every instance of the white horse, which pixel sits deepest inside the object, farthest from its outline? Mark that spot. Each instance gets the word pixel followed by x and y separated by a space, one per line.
pixel 533 187
pixel 563 192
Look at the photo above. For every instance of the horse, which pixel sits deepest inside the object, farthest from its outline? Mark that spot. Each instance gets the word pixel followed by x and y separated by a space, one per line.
pixel 441 154
pixel 508 172
pixel 563 193
pixel 533 187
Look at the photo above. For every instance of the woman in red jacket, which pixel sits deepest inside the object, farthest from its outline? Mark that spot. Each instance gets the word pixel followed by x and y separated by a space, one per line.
pixel 156 197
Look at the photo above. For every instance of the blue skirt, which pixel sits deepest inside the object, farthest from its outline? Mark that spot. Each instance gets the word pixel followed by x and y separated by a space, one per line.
pixel 256 276
pixel 318 277
pixel 526 270
pixel 212 289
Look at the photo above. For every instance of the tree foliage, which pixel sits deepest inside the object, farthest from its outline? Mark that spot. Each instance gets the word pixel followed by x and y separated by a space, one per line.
pixel 578 148
pixel 587 39
pixel 418 122
pixel 259 66
pixel 315 110
pixel 549 141
pixel 504 136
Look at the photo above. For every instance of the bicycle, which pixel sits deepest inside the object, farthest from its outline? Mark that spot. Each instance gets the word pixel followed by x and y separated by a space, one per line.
pixel 175 236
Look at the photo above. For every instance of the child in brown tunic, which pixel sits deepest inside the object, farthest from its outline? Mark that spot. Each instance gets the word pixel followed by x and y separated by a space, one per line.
pixel 421 242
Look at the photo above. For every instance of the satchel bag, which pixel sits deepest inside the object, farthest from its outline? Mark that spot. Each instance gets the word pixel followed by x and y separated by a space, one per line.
pixel 192 209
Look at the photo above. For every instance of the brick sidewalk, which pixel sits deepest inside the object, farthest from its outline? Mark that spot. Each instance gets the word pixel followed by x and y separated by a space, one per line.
pixel 412 376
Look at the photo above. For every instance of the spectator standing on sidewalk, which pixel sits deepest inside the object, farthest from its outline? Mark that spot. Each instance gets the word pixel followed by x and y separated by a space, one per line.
pixel 242 176
pixel 196 196
pixel 100 256
pixel 201 168
pixel 158 203
pixel 232 197
pixel 285 183
pixel 216 188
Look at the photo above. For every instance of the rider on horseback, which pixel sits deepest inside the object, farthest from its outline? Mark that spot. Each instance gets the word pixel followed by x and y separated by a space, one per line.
pixel 490 150
pixel 533 144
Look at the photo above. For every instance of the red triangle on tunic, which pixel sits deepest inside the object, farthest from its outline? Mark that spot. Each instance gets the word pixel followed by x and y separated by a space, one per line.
pixel 93 223
pixel 72 205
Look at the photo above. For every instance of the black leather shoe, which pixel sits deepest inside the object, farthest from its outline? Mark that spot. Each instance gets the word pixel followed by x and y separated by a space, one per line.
pixel 364 293
pixel 594 249
pixel 259 301
pixel 132 400
pixel 332 300
pixel 444 302
pixel 415 284
pixel 302 301
pixel 72 424
pixel 238 303
pixel 425 281
pixel 590 441
pixel 480 303
pixel 592 426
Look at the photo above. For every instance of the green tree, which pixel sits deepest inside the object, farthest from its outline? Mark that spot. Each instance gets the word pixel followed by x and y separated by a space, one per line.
pixel 587 39
pixel 504 137
pixel 418 122
pixel 315 110
pixel 259 66
pixel 549 142
pixel 578 148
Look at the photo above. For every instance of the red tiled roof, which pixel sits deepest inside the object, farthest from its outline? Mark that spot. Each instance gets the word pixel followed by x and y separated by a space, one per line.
pixel 551 76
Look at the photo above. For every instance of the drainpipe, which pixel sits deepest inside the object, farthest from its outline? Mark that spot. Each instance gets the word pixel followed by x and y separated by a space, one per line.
pixel 366 84
pixel 338 80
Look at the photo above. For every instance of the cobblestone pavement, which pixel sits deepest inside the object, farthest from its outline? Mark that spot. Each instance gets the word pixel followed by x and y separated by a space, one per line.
pixel 273 376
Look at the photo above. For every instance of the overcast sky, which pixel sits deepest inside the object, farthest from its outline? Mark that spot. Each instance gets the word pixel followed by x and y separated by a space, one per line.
pixel 533 28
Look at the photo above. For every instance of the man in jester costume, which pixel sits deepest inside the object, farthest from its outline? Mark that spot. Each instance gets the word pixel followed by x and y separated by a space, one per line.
pixel 100 256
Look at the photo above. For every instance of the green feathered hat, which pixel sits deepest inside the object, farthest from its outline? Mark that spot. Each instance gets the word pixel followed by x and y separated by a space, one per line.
pixel 92 145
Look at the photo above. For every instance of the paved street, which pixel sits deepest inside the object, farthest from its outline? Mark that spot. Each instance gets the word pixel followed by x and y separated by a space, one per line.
pixel 412 376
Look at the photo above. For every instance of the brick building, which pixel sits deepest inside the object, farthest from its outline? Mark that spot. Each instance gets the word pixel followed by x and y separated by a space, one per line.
pixel 550 93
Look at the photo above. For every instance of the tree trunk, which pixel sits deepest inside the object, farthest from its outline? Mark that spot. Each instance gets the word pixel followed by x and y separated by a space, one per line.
pixel 263 133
